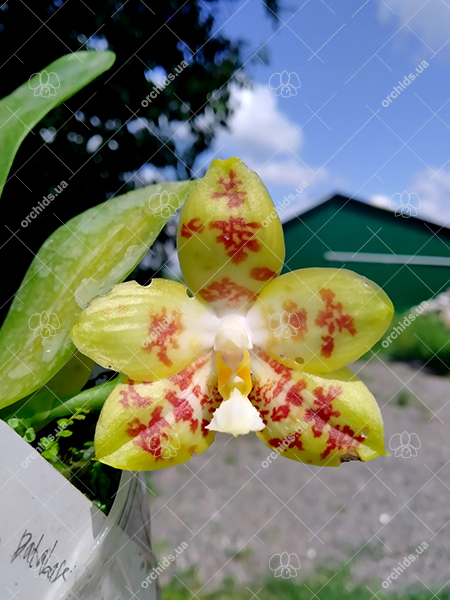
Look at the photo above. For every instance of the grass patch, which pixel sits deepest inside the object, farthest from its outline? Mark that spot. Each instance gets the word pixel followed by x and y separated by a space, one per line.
pixel 427 340
pixel 403 398
pixel 294 589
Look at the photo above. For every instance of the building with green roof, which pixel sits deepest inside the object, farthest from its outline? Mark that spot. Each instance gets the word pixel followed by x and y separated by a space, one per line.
pixel 407 256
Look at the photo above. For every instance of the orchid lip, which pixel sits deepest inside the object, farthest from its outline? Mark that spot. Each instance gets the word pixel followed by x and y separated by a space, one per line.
pixel 236 416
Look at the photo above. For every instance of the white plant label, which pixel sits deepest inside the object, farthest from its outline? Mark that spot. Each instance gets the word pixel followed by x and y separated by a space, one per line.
pixel 46 525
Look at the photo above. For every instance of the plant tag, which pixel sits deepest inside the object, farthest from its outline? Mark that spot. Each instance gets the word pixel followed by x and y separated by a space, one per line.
pixel 46 525
pixel 53 540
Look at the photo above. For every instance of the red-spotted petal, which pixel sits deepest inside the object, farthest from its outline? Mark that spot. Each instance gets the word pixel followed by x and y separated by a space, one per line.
pixel 319 320
pixel 320 420
pixel 148 333
pixel 146 426
pixel 230 240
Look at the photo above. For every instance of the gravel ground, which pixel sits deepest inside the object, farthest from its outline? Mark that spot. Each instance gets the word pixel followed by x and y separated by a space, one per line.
pixel 235 515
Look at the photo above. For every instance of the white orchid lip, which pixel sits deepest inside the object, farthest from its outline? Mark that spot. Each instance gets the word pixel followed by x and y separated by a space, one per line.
pixel 237 416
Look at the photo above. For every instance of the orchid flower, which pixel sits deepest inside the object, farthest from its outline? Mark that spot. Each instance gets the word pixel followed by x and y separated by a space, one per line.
pixel 241 349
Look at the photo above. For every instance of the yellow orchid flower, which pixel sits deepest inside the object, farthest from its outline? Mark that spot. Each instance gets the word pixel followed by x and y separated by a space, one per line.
pixel 244 350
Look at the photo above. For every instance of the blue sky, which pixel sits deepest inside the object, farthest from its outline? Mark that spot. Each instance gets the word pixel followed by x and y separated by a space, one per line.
pixel 348 56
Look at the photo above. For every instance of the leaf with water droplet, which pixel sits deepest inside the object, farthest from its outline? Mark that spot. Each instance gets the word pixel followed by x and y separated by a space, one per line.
pixel 82 259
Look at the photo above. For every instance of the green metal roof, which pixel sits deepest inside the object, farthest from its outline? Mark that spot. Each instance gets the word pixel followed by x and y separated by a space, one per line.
pixel 408 257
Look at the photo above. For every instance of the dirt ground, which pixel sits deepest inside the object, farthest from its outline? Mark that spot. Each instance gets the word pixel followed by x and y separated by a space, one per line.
pixel 235 515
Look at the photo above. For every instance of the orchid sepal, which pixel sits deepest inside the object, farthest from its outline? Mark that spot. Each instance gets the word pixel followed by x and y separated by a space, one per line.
pixel 321 420
pixel 230 239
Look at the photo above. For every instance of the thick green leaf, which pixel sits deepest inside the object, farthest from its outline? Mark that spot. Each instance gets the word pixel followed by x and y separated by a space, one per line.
pixel 82 259
pixel 28 104
pixel 66 382
pixel 71 378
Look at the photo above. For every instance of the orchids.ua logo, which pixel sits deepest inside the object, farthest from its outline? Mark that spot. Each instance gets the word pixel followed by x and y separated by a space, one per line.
pixel 404 323
pixel 285 84
pixel 402 85
pixel 44 324
pixel 284 565
pixel 283 204
pixel 164 204
pixel 44 84
pixel 46 200
pixel 44 443
pixel 404 445
pixel 285 444
pixel 161 82
pixel 405 204
pixel 163 324
pixel 404 564
pixel 167 444
pixel 163 564
pixel 285 324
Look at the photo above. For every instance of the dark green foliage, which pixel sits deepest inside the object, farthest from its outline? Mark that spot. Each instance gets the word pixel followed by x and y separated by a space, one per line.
pixel 73 458
pixel 427 340
pixel 144 36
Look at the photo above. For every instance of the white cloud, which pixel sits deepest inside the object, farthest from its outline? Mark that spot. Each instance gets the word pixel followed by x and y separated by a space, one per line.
pixel 258 124
pixel 431 20
pixel 433 197
pixel 380 201
pixel 288 172
pixel 264 137
pixel 259 132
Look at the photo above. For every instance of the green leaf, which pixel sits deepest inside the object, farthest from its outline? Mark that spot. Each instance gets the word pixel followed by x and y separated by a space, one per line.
pixel 22 428
pixel 71 378
pixel 30 435
pixel 82 259
pixel 52 449
pixel 67 382
pixel 39 410
pixel 28 104
pixel 14 423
